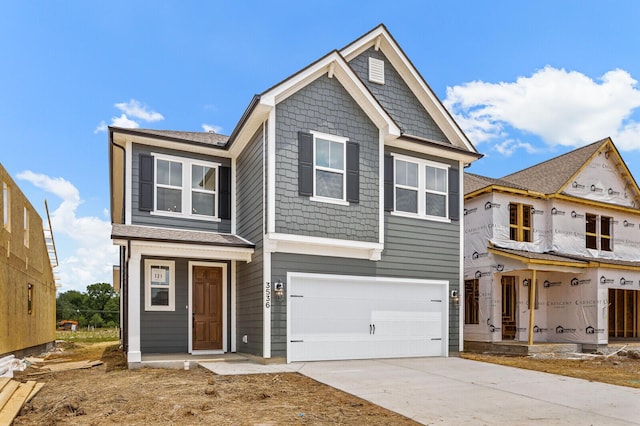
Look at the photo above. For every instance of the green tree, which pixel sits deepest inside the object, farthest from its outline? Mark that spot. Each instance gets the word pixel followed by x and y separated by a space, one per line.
pixel 70 304
pixel 99 294
pixel 98 306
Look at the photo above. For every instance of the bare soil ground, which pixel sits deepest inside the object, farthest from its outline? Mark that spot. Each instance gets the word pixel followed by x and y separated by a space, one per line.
pixel 111 394
pixel 615 369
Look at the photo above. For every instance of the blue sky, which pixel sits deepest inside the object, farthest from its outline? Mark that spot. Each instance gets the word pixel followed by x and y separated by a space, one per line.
pixel 526 80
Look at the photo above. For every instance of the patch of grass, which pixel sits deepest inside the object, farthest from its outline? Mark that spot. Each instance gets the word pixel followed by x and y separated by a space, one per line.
pixel 89 336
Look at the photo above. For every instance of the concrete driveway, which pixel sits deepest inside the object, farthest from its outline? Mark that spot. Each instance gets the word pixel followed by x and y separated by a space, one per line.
pixel 455 391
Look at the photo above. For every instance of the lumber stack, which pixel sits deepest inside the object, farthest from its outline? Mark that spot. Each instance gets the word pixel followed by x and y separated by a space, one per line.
pixel 13 395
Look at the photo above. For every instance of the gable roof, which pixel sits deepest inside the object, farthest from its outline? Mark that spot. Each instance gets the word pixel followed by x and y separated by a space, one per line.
pixel 380 38
pixel 550 176
pixel 205 138
pixel 336 64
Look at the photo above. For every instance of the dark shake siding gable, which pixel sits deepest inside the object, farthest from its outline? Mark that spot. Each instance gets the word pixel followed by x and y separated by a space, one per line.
pixel 250 226
pixel 325 106
pixel 397 99
pixel 141 207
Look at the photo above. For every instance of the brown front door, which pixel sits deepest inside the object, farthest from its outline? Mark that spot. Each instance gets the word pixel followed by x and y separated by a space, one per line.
pixel 508 308
pixel 207 308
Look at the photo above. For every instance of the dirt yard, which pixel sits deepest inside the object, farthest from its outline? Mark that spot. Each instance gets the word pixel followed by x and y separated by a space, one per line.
pixel 110 393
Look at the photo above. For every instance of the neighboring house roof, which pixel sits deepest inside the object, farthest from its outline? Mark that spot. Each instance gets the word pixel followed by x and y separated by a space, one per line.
pixel 473 182
pixel 146 233
pixel 205 138
pixel 551 176
pixel 534 257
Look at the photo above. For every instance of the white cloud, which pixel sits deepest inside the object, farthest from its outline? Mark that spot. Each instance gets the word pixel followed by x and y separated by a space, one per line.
pixel 211 128
pixel 134 109
pixel 91 254
pixel 509 146
pixel 562 107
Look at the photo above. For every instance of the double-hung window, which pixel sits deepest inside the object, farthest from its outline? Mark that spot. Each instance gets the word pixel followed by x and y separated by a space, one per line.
pixel 330 177
pixel 186 187
pixel 520 222
pixel 159 285
pixel 420 187
pixel 598 232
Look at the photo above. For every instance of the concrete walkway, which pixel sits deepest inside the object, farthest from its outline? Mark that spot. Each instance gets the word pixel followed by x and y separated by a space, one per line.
pixel 462 392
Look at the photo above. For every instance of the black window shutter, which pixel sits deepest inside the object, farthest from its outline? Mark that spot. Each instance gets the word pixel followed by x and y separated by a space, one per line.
pixel 454 194
pixel 388 182
pixel 305 164
pixel 353 172
pixel 224 197
pixel 145 196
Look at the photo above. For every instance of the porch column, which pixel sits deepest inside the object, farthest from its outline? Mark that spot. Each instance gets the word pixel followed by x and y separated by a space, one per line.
pixel 532 306
pixel 133 353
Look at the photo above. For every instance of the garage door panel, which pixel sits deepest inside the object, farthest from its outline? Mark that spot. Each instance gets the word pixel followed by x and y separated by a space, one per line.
pixel 335 317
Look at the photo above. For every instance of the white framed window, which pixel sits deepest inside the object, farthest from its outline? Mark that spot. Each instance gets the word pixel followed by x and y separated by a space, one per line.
pixel 6 207
pixel 421 188
pixel 185 187
pixel 329 168
pixel 159 285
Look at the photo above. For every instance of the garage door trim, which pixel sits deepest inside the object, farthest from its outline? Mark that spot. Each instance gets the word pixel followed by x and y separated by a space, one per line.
pixel 443 284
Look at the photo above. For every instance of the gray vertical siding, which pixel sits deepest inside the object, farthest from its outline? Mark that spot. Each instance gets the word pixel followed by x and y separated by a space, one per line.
pixel 249 281
pixel 145 218
pixel 325 106
pixel 397 99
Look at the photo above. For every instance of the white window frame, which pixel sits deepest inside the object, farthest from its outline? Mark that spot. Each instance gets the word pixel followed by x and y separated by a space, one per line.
pixel 148 263
pixel 332 138
pixel 186 189
pixel 422 188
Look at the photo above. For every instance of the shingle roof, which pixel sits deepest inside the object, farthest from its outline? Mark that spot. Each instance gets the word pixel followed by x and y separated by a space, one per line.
pixel 208 138
pixel 147 233
pixel 550 176
pixel 473 182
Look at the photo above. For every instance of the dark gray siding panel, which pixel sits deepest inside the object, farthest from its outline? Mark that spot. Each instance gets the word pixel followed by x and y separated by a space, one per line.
pixel 424 249
pixel 145 218
pixel 281 263
pixel 166 332
pixel 250 226
pixel 397 99
pixel 325 106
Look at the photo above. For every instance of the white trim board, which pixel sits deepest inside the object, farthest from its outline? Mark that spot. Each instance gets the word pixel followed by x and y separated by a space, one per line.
pixel 318 246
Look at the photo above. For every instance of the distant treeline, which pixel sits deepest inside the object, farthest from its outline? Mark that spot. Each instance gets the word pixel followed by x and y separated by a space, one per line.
pixel 99 306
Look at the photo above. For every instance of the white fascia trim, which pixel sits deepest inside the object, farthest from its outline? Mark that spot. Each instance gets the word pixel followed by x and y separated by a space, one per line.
pixel 336 64
pixel 271 172
pixel 128 182
pixel 318 246
pixel 196 251
pixel 430 150
pixel 380 37
pixel 249 129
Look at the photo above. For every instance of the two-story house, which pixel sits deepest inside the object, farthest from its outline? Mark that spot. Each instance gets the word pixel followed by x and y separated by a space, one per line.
pixel 27 283
pixel 562 236
pixel 326 226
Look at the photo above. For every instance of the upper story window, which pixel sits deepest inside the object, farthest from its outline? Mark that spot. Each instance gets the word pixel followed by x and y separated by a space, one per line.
pixel 520 222
pixel 6 206
pixel 184 187
pixel 598 232
pixel 420 187
pixel 328 168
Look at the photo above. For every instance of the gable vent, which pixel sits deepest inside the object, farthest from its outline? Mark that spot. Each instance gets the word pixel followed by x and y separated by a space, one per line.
pixel 376 70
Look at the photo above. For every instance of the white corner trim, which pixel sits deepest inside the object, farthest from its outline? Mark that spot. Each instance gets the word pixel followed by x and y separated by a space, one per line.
pixel 271 171
pixel 234 313
pixel 266 306
pixel 234 220
pixel 381 193
pixel 133 351
pixel 461 258
pixel 318 246
pixel 128 182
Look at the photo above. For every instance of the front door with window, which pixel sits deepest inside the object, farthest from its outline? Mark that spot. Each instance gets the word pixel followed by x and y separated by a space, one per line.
pixel 207 308
pixel 508 308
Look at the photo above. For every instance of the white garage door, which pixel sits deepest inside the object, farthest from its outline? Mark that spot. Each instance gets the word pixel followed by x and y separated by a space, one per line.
pixel 332 317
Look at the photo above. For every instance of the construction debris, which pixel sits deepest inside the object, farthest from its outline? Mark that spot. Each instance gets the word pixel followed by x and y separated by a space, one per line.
pixel 13 395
